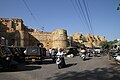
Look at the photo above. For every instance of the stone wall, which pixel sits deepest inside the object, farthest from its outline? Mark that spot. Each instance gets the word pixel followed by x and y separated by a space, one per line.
pixel 42 37
pixel 77 36
pixel 10 25
pixel 55 39
pixel 91 40
pixel 59 38
pixel 20 35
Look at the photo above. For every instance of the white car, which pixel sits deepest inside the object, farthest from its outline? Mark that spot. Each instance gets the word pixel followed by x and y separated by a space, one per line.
pixel 117 58
pixel 97 49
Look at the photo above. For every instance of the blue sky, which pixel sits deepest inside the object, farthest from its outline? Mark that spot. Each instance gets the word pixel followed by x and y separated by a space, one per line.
pixel 60 14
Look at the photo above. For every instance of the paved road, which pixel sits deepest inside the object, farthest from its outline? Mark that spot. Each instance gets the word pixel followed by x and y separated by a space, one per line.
pixel 95 68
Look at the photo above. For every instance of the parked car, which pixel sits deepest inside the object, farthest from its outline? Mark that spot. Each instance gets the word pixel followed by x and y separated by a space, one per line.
pixel 97 49
pixel 71 50
pixel 117 57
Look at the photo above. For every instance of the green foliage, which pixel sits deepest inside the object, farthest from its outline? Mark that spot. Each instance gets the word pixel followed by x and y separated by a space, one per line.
pixel 115 41
pixel 104 45
pixel 108 45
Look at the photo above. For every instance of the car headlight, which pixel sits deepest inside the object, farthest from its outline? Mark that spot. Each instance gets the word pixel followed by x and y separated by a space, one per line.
pixel 26 57
pixel 7 58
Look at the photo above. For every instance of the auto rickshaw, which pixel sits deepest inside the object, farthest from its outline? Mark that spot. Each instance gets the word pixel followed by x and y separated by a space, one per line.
pixel 33 54
pixel 18 53
pixel 6 58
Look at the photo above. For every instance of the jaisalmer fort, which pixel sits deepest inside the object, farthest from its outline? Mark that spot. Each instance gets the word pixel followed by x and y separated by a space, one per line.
pixel 18 34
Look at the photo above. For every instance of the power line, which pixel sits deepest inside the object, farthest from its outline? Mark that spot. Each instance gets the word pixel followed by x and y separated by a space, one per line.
pixel 30 12
pixel 86 9
pixel 80 13
pixel 76 11
pixel 81 9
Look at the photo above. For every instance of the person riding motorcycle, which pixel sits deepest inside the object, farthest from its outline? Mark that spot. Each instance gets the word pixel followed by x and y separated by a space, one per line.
pixel 60 58
pixel 83 53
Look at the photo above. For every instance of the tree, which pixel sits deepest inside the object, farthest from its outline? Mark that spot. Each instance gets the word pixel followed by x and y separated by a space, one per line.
pixel 115 41
pixel 104 44
pixel 108 45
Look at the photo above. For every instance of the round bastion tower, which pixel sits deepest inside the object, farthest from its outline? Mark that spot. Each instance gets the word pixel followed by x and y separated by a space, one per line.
pixel 59 38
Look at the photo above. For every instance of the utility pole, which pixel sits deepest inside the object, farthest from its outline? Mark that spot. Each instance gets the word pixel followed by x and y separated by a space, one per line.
pixel 42 29
pixel 118 8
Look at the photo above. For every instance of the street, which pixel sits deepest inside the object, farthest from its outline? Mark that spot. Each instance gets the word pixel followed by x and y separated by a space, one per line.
pixel 95 68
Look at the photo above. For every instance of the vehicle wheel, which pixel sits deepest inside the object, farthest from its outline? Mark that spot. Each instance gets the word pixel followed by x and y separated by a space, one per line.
pixel 13 67
pixel 83 59
pixel 54 60
pixel 89 55
pixel 39 62
pixel 59 66
pixel 26 62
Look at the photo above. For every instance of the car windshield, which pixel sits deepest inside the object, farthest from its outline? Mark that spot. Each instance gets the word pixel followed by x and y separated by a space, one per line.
pixel 33 51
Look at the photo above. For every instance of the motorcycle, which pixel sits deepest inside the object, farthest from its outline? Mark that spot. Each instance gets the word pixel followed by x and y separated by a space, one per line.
pixel 83 56
pixel 60 61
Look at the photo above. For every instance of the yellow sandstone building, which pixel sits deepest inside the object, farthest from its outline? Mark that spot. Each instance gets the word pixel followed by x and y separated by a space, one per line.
pixel 17 34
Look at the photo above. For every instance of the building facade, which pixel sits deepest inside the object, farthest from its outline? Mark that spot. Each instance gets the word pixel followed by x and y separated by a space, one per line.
pixel 17 34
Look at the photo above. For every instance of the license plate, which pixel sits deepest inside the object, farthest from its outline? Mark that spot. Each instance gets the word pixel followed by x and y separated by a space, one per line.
pixel 32 56
pixel 33 60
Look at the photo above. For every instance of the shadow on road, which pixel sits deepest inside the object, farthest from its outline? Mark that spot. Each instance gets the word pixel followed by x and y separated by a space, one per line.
pixel 48 61
pixel 69 65
pixel 96 74
pixel 22 67
pixel 28 67
pixel 88 58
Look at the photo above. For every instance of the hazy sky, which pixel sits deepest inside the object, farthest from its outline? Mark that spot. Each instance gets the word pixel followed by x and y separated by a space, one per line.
pixel 61 14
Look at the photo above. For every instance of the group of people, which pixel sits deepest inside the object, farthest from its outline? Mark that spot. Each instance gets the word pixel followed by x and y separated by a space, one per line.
pixel 53 52
pixel 57 53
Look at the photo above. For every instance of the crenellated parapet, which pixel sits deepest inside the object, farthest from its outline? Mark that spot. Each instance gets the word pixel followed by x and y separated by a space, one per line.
pixel 10 25
pixel 93 38
pixel 4 19
pixel 102 38
pixel 17 20
pixel 97 38
pixel 77 36
pixel 89 38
